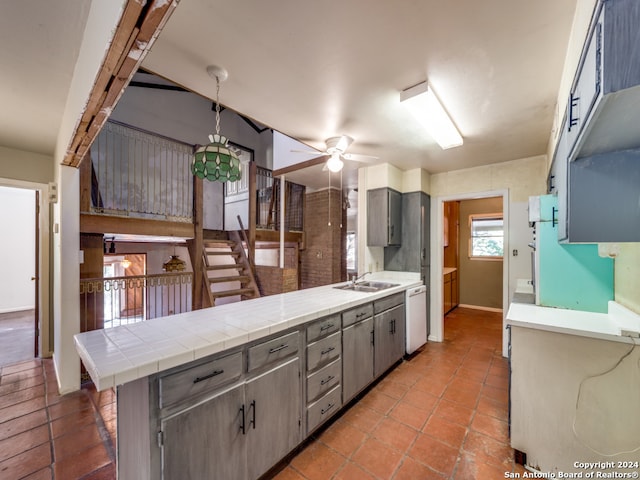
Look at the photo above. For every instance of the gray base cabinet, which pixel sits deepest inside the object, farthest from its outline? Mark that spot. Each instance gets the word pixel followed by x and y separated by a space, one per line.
pixel 238 434
pixel 388 338
pixel 357 357
pixel 206 441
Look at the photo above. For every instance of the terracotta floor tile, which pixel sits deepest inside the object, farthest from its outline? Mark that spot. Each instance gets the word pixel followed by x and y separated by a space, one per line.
pixel 469 467
pixel 493 408
pixel 378 401
pixel 23 423
pixel 20 409
pixel 45 474
pixel 434 386
pixel 495 381
pixel 318 462
pixel 24 441
pixel 108 472
pixel 288 473
pixel 499 369
pixel 343 437
pixel 71 422
pixel 71 403
pixel 462 396
pixel 351 471
pixel 391 388
pixel 22 384
pixel 76 441
pixel 410 415
pixel 454 412
pixel 404 375
pixel 499 394
pixel 377 458
pixel 448 432
pixel 21 375
pixel 420 399
pixel 435 454
pixel 489 449
pixel 82 463
pixel 21 396
pixel 363 418
pixel 396 434
pixel 27 462
pixel 413 470
pixel 471 374
pixel 490 426
pixel 22 366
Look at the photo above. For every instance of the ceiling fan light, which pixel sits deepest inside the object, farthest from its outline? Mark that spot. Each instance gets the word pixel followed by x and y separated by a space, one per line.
pixel 334 163
pixel 427 109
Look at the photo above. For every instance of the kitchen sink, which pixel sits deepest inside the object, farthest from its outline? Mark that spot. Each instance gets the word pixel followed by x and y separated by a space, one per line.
pixel 366 286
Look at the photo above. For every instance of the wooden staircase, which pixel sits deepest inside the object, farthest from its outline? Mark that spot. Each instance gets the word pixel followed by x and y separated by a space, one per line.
pixel 227 271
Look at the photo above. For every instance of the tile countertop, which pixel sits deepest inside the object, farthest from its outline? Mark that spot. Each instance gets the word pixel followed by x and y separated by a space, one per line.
pixel 619 324
pixel 122 354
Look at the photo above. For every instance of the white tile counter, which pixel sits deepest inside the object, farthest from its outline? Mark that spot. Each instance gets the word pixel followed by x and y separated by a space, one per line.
pixel 122 354
pixel 619 324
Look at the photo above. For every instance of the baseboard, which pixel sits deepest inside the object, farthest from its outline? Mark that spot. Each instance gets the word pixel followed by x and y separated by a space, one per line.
pixel 478 307
pixel 17 309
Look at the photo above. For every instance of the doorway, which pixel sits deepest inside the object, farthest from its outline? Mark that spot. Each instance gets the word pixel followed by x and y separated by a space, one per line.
pixel 18 284
pixel 438 271
pixel 125 298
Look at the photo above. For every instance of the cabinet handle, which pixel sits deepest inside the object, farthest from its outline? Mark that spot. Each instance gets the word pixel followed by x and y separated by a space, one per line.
pixel 391 231
pixel 252 406
pixel 327 380
pixel 329 407
pixel 326 327
pixel 573 103
pixel 373 337
pixel 212 374
pixel 392 326
pixel 361 314
pixel 242 419
pixel 330 349
pixel 551 184
pixel 277 349
pixel 554 219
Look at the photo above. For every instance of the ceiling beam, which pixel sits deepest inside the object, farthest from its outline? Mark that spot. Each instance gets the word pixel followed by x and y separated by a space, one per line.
pixel 300 166
pixel 136 32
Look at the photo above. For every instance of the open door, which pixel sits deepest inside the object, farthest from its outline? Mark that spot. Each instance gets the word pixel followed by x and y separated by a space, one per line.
pixel 36 279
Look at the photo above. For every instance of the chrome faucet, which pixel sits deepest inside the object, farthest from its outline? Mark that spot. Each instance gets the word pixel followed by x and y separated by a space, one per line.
pixel 354 280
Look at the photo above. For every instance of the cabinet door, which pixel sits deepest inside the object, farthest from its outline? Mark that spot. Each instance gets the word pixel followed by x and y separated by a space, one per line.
pixel 447 299
pixel 377 214
pixel 357 357
pixel 273 406
pixel 425 237
pixel 388 339
pixel 206 441
pixel 395 217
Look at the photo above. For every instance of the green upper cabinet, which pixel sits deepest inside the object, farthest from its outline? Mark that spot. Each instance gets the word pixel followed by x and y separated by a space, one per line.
pixel 384 217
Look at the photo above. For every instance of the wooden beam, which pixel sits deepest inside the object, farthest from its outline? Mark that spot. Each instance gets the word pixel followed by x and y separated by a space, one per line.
pixel 274 236
pixel 253 171
pixel 134 226
pixel 196 246
pixel 300 166
pixel 127 50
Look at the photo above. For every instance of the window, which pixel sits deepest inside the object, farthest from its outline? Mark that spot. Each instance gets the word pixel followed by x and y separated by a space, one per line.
pixel 487 236
pixel 351 252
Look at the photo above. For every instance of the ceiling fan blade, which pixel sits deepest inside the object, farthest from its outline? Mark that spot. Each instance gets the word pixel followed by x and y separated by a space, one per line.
pixel 359 158
pixel 313 152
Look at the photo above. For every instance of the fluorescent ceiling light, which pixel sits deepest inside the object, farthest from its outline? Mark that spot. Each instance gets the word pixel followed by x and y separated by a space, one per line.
pixel 425 106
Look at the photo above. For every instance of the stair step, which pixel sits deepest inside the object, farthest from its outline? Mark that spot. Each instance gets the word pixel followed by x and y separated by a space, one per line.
pixel 214 243
pixel 227 266
pixel 236 278
pixel 230 293
pixel 228 253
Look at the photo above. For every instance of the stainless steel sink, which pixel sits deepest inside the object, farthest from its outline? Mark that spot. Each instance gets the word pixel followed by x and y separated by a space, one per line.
pixel 366 286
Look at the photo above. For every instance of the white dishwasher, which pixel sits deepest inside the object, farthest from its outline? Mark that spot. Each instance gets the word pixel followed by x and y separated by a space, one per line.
pixel 416 317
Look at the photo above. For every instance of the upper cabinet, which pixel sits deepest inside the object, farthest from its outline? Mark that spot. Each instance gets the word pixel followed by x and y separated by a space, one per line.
pixel 384 217
pixel 603 109
pixel 597 157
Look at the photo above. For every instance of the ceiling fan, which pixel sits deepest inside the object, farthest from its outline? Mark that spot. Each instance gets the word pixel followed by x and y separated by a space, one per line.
pixel 336 150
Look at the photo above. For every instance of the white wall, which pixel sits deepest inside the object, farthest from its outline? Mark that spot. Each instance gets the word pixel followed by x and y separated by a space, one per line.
pixel 17 242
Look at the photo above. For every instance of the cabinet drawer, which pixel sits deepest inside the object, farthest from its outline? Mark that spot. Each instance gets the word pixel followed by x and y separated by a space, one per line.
pixel 388 302
pixel 323 380
pixel 199 379
pixel 323 327
pixel 273 350
pixel 356 314
pixel 323 351
pixel 324 408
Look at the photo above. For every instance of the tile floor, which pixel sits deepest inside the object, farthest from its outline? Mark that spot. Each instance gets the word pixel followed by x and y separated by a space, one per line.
pixel 440 415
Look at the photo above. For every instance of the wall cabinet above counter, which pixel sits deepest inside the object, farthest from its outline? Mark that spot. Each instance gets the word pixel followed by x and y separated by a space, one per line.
pixel 603 109
pixel 384 217
pixel 596 157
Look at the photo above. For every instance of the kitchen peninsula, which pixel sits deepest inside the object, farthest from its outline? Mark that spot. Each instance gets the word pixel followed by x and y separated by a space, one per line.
pixel 227 392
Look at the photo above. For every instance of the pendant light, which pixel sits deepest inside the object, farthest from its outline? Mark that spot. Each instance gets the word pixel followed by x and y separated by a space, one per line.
pixel 175 263
pixel 215 161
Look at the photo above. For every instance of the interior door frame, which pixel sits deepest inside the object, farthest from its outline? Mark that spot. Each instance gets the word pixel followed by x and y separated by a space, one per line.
pixel 437 260
pixel 43 318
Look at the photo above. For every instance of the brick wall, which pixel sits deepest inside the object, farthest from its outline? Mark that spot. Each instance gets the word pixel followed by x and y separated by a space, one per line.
pixel 324 259
pixel 274 280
